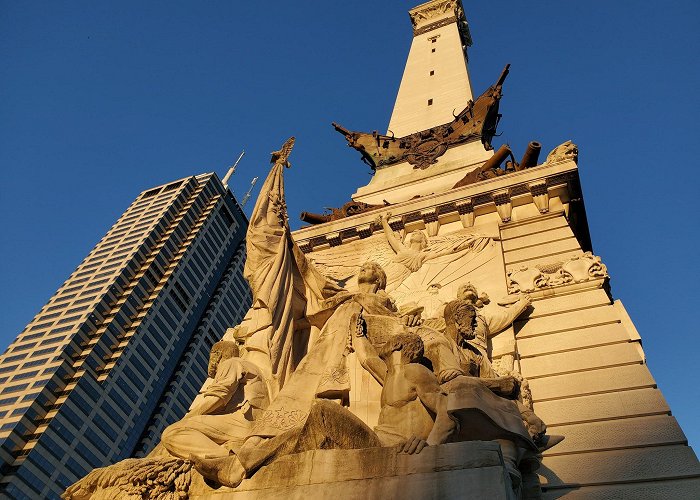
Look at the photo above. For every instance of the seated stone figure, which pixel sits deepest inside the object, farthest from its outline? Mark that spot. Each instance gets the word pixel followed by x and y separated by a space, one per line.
pixel 462 329
pixel 410 397
pixel 414 408
pixel 223 413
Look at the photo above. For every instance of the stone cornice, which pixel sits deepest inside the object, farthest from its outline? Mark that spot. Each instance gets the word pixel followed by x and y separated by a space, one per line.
pixel 460 202
pixel 438 13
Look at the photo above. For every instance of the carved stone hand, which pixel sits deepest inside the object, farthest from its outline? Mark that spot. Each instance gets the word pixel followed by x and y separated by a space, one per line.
pixel 413 445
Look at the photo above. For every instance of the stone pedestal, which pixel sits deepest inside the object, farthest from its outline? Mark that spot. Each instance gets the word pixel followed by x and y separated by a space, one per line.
pixel 458 470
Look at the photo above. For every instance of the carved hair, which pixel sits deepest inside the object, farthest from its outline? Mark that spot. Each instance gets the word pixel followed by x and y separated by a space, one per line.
pixel 481 299
pixel 460 320
pixel 423 238
pixel 378 271
pixel 410 345
pixel 226 349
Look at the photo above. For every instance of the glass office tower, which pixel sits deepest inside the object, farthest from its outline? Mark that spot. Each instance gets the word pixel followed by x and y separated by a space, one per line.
pixel 121 348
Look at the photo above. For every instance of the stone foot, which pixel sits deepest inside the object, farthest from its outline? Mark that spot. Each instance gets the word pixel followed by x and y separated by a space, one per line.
pixel 226 471
pixel 547 441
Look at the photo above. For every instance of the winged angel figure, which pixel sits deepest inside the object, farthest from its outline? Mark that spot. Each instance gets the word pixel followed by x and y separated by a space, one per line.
pixel 413 264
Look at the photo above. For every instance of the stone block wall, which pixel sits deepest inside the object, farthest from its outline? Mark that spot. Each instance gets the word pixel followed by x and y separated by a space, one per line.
pixel 586 370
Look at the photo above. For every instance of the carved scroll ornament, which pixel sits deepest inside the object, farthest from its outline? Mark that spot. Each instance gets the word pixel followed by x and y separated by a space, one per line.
pixel 575 270
pixel 422 149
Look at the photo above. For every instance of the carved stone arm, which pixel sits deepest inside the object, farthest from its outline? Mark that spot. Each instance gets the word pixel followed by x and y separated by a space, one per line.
pixel 394 242
pixel 435 400
pixel 369 359
pixel 498 318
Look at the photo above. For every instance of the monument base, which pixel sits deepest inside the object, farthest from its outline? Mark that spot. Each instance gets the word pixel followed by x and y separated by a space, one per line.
pixel 473 469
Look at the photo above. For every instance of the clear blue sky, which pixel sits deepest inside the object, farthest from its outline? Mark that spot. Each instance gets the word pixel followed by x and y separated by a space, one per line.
pixel 101 100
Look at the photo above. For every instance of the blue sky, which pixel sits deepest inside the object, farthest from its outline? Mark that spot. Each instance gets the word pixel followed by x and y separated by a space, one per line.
pixel 102 100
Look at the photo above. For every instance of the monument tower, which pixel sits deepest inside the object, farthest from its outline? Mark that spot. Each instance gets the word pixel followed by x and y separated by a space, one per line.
pixel 576 345
pixel 446 333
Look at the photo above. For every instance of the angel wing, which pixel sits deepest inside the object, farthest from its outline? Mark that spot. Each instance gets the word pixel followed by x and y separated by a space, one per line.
pixel 456 242
pixel 458 257
pixel 341 264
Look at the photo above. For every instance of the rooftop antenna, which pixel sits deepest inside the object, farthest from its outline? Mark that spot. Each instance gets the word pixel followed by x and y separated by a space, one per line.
pixel 231 170
pixel 250 190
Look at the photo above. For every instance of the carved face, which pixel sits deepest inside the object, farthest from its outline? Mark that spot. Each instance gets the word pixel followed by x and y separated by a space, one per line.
pixel 220 351
pixel 468 293
pixel 372 273
pixel 464 317
pixel 460 320
pixel 418 240
pixel 214 359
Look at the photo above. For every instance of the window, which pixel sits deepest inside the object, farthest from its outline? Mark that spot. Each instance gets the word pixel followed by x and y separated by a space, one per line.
pixel 99 282
pixel 37 362
pixel 23 376
pixel 23 347
pixel 430 102
pixel 15 358
pixel 5 369
pixel 42 325
pixel 15 388
pixel 172 186
pixel 227 216
pixel 89 457
pixel 49 316
pixel 41 352
pixel 68 319
pixel 66 297
pixel 54 340
pixel 86 299
pixel 150 193
pixel 60 330
pixel 432 72
pixel 76 309
pixel 53 308
pixel 33 336
pixel 432 50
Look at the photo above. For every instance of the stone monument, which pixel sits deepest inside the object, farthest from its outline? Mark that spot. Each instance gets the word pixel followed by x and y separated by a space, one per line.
pixel 447 333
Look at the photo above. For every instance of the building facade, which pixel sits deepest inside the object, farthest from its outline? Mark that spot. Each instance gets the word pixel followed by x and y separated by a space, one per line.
pixel 121 349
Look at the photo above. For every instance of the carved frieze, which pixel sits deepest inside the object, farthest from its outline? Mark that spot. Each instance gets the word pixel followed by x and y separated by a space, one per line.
pixel 435 15
pixel 429 12
pixel 479 119
pixel 577 269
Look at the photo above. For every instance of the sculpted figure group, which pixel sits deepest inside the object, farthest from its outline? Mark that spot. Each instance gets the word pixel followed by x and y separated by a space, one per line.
pixel 279 383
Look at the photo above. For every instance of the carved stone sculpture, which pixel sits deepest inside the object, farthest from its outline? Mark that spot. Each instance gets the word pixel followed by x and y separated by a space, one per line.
pixel 223 413
pixel 162 478
pixel 414 407
pixel 347 210
pixel 327 426
pixel 457 254
pixel 285 394
pixel 565 151
pixel 478 119
pixel 577 269
pixel 414 415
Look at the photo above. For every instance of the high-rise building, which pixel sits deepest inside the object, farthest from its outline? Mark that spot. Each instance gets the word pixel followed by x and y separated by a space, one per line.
pixel 121 349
